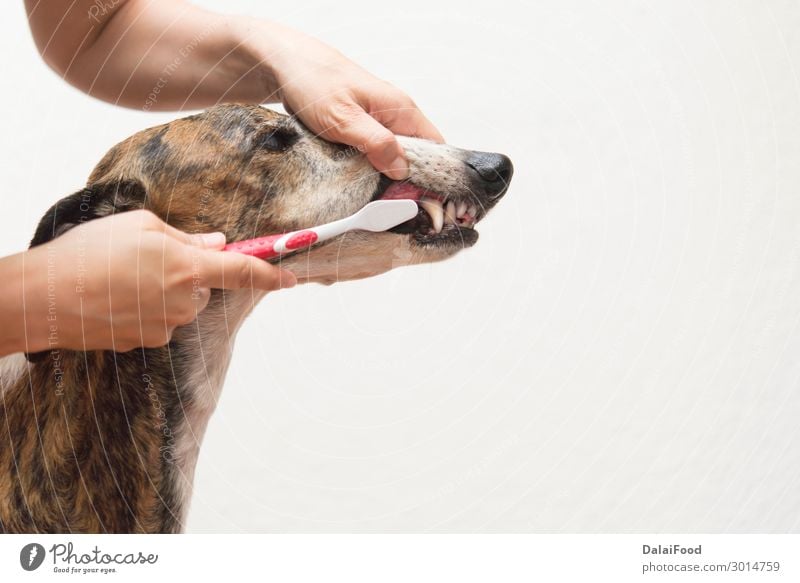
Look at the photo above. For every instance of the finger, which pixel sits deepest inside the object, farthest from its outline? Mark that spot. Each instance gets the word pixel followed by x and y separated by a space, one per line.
pixel 398 112
pixel 234 271
pixel 201 296
pixel 152 222
pixel 157 337
pixel 215 240
pixel 124 346
pixel 410 121
pixel 212 241
pixel 380 145
pixel 149 221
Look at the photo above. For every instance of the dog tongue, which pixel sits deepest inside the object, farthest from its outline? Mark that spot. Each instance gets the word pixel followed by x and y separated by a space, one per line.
pixel 404 190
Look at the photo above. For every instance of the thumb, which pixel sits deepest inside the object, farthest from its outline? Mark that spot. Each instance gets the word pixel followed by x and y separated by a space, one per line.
pixel 213 241
pixel 219 269
pixel 379 144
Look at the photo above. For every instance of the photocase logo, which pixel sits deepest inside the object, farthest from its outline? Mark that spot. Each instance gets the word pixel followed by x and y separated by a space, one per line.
pixel 31 556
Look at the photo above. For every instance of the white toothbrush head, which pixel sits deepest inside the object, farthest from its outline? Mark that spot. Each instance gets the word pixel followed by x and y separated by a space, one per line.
pixel 381 215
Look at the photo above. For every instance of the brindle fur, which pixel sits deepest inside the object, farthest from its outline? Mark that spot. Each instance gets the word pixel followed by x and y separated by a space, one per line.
pixel 111 444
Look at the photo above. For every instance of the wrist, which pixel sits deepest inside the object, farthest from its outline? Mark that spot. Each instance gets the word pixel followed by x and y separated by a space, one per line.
pixel 263 48
pixel 39 299
pixel 21 288
pixel 11 304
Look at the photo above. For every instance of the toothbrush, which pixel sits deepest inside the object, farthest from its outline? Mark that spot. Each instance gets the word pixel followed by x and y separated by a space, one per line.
pixel 379 215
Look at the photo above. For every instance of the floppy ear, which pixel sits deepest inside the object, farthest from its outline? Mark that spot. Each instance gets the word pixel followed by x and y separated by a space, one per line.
pixel 93 202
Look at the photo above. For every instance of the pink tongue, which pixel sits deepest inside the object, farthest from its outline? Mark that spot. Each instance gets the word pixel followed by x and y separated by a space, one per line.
pixel 404 190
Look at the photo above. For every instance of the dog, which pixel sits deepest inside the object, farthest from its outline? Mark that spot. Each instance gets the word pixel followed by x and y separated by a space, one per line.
pixel 107 442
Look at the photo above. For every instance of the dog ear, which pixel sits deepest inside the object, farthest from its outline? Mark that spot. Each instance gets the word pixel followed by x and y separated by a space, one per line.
pixel 93 202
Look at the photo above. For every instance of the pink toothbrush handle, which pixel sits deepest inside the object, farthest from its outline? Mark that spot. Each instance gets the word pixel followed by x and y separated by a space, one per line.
pixel 274 245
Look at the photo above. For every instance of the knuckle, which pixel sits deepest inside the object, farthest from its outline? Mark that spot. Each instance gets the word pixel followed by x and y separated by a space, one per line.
pixel 151 217
pixel 405 101
pixel 186 315
pixel 377 141
pixel 172 319
pixel 398 98
pixel 346 122
pixel 203 297
pixel 344 111
pixel 157 337
pixel 182 314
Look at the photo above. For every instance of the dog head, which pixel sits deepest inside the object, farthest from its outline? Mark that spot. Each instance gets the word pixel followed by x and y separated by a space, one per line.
pixel 249 171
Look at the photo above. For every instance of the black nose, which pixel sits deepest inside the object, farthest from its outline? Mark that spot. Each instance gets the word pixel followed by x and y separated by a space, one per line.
pixel 494 170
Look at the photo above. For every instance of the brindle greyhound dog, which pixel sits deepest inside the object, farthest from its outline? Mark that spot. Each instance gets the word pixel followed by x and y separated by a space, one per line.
pixel 83 448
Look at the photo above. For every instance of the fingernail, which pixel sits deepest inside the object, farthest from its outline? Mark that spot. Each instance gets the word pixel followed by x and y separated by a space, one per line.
pixel 214 240
pixel 398 169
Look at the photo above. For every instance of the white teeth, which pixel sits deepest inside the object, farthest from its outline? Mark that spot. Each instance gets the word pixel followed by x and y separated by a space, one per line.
pixel 434 208
pixel 450 213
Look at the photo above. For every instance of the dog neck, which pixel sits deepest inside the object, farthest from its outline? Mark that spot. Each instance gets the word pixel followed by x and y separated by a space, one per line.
pixel 204 348
pixel 108 442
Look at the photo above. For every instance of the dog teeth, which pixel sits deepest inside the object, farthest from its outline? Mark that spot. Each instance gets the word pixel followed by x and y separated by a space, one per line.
pixel 434 208
pixel 450 213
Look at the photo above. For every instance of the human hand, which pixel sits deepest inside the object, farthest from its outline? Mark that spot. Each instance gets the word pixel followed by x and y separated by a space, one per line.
pixel 339 100
pixel 240 59
pixel 129 280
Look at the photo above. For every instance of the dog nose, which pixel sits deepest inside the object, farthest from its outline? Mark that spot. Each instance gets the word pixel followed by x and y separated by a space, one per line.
pixel 494 170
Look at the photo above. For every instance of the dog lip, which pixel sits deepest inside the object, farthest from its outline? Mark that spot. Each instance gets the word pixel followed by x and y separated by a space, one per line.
pixel 384 182
pixel 451 236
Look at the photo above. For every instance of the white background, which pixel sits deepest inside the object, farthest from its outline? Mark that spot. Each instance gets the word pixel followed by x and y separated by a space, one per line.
pixel 620 350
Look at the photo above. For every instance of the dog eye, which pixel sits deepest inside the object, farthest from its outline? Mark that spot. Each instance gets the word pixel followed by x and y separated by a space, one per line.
pixel 275 139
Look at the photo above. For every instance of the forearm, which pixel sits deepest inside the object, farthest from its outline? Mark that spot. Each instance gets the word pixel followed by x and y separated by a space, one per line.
pixel 161 55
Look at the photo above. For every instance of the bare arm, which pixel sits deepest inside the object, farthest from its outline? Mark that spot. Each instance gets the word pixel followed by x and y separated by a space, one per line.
pixel 122 51
pixel 168 54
